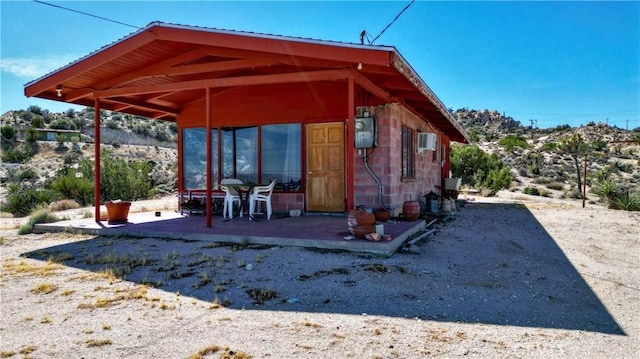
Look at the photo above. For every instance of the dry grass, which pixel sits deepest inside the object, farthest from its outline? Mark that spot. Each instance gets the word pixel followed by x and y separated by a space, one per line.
pixel 44 288
pixel 226 353
pixel 47 269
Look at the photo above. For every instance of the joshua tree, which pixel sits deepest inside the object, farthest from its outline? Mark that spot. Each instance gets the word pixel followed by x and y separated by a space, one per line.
pixel 575 147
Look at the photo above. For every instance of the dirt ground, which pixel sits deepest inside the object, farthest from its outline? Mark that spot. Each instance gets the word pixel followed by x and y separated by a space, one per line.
pixel 504 278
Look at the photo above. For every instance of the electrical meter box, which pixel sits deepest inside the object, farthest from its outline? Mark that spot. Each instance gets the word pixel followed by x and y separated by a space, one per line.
pixel 365 132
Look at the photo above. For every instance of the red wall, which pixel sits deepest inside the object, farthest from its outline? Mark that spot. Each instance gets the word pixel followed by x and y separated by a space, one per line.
pixel 386 163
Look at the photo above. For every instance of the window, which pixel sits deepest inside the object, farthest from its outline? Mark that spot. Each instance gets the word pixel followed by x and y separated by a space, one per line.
pixel 194 158
pixel 240 153
pixel 408 153
pixel 280 159
pixel 281 156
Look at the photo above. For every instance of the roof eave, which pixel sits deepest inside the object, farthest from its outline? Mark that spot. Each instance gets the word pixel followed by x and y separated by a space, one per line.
pixel 403 67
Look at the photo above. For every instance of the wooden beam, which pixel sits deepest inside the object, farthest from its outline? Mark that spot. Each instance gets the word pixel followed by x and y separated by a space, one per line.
pixel 312 76
pixel 370 86
pixel 146 105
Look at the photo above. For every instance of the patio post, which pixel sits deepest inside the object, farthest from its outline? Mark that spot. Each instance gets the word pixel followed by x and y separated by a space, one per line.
pixel 96 173
pixel 209 157
pixel 351 114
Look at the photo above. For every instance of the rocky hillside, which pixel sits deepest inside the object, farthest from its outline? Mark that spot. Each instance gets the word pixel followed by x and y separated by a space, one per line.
pixel 539 162
pixel 129 137
pixel 536 162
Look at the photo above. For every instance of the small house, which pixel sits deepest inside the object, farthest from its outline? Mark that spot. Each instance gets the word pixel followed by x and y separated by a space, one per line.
pixel 335 124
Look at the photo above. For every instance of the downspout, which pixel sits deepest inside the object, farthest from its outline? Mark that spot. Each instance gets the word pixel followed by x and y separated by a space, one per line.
pixel 365 159
pixel 96 170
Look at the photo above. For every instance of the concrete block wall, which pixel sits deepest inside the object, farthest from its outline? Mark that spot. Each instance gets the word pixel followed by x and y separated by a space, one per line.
pixel 385 161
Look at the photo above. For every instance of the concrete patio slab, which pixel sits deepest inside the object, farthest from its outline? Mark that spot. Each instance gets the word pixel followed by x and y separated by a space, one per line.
pixel 309 230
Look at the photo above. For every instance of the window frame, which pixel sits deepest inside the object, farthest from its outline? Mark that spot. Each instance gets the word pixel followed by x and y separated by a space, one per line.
pixel 408 153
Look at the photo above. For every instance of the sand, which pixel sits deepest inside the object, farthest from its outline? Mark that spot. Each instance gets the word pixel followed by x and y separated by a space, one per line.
pixel 504 278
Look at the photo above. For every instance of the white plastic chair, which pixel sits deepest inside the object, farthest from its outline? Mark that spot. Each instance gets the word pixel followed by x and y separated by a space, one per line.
pixel 231 196
pixel 261 194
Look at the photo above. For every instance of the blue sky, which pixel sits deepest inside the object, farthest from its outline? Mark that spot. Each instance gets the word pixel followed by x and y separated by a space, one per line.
pixel 554 62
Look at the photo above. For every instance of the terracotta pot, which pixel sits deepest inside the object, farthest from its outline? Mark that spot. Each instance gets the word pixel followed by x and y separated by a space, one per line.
pixel 361 231
pixel 352 221
pixel 382 215
pixel 411 210
pixel 117 212
pixel 366 219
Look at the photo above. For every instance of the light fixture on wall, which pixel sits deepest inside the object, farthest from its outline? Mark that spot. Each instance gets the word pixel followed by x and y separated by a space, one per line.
pixel 359 66
pixel 59 90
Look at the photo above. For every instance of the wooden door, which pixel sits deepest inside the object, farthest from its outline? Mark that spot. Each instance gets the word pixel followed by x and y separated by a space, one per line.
pixel 325 168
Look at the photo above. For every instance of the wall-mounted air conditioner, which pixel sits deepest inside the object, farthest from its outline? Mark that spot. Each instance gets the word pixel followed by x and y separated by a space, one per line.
pixel 426 142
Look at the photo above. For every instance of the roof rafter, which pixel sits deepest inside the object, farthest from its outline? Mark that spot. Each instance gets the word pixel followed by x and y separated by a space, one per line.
pixel 310 76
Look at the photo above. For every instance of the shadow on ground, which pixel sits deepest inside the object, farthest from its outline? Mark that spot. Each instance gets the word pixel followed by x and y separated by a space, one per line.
pixel 493 264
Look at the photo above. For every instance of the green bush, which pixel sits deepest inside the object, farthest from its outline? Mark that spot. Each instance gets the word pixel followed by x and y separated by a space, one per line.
pixel 8 132
pixel 534 191
pixel 62 124
pixel 511 141
pixel 555 186
pixel 479 169
pixel 550 146
pixel 626 201
pixel 68 186
pixel 40 216
pixel 120 179
pixel 22 201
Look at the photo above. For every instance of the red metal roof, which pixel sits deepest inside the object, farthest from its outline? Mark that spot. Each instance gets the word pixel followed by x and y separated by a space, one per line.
pixel 157 70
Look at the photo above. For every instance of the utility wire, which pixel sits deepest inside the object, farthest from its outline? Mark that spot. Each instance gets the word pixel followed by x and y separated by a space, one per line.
pixel 392 21
pixel 87 14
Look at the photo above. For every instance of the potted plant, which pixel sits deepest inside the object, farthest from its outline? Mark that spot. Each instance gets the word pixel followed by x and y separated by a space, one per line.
pixel 117 211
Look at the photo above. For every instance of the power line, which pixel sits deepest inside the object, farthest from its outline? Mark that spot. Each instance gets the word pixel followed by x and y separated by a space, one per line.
pixel 364 33
pixel 87 14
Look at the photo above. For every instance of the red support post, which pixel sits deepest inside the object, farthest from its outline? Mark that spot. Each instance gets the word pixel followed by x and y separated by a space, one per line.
pixel 96 171
pixel 351 114
pixel 209 199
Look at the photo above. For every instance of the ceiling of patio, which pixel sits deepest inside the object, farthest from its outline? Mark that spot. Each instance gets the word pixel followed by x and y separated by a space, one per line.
pixel 158 70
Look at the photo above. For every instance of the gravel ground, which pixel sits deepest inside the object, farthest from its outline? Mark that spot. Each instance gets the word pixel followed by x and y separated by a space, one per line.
pixel 504 278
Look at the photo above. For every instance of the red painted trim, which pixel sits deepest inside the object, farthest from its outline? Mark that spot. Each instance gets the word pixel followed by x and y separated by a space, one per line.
pixel 209 156
pixel 88 63
pixel 350 130
pixel 96 170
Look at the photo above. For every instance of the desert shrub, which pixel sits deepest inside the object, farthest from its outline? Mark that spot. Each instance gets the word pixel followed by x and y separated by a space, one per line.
pixel 626 201
pixel 479 169
pixel 573 193
pixel 63 124
pixel 8 132
pixel 70 113
pixel 80 190
pixel 27 174
pixel 120 179
pixel 112 125
pixel 37 122
pixel 555 186
pixel 542 180
pixel 20 153
pixel 599 145
pixel 534 191
pixel 63 205
pixel 21 201
pixel 35 109
pixel 549 146
pixel 511 141
pixel 40 216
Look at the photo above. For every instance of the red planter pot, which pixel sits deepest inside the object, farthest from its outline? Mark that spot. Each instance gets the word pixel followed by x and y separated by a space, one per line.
pixel 117 212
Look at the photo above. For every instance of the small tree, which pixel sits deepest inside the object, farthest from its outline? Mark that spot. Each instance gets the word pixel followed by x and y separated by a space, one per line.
pixel 575 147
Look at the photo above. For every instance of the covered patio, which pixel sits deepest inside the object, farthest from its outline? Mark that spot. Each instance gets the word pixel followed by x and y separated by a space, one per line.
pixel 314 231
